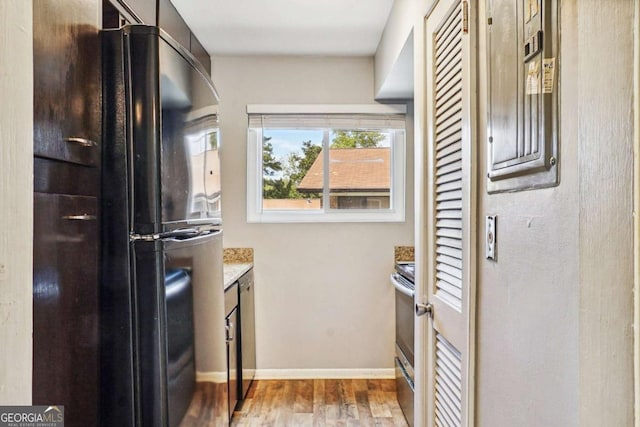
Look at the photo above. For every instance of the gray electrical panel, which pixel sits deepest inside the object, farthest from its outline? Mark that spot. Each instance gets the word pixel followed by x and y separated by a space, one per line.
pixel 523 70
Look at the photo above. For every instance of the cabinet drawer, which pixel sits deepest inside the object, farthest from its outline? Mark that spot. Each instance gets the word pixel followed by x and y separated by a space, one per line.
pixel 66 53
pixel 54 176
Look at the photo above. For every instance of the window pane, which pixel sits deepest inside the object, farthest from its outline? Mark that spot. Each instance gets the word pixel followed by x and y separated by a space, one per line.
pixel 360 169
pixel 289 157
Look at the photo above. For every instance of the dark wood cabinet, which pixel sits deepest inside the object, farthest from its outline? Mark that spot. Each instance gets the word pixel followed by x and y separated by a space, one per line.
pixel 145 10
pixel 66 80
pixel 200 53
pixel 65 305
pixel 161 13
pixel 170 20
pixel 52 176
pixel 67 138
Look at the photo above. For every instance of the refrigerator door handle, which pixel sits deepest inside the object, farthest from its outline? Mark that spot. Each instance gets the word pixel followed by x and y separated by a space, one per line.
pixel 180 234
pixel 230 329
pixel 184 233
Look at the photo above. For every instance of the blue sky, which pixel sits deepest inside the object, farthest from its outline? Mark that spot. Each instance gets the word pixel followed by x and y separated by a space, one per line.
pixel 290 140
pixel 286 141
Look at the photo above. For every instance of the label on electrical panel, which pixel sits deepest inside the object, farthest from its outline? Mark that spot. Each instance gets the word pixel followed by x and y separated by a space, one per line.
pixel 533 78
pixel 531 9
pixel 534 8
pixel 548 74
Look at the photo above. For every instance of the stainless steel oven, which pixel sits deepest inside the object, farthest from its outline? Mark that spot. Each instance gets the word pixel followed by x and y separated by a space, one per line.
pixel 403 282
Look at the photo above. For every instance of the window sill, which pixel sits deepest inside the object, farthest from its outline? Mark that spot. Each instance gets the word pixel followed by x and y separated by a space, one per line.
pixel 278 217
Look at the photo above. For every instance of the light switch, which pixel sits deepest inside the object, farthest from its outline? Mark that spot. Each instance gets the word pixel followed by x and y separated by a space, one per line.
pixel 491 235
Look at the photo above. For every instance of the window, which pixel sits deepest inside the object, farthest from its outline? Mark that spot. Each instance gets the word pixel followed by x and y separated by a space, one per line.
pixel 326 163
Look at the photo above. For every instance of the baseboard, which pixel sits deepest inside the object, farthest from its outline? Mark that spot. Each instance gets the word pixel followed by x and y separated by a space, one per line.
pixel 211 377
pixel 301 374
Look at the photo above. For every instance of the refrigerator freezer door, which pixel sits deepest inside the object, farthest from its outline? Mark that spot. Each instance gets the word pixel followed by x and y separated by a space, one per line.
pixel 161 130
pixel 190 176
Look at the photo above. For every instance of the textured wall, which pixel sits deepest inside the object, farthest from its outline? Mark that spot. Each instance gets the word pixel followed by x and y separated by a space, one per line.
pixel 554 335
pixel 323 298
pixel 554 342
pixel 605 162
pixel 16 200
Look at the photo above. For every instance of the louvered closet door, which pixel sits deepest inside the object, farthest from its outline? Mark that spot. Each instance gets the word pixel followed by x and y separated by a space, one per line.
pixel 450 273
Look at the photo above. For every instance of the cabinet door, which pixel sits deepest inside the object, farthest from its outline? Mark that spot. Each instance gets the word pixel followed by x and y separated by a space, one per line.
pixel 232 359
pixel 65 306
pixel 170 20
pixel 200 53
pixel 67 87
pixel 247 351
pixel 145 10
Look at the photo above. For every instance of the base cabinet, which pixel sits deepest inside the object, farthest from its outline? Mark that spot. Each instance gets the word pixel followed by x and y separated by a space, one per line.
pixel 231 326
pixel 241 347
pixel 232 359
pixel 65 306
pixel 247 359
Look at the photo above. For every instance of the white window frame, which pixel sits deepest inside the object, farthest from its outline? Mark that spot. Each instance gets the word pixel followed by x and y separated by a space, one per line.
pixel 255 213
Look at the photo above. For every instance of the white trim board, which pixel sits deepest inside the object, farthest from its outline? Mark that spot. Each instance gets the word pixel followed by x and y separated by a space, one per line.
pixel 326 108
pixel 300 374
pixel 636 216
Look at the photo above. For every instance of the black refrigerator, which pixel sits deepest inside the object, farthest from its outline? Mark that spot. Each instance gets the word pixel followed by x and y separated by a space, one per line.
pixel 161 229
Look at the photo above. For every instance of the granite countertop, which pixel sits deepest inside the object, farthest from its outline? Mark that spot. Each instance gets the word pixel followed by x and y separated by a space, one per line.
pixel 233 272
pixel 404 254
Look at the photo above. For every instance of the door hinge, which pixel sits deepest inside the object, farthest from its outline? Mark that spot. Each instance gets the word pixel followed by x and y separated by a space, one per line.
pixel 422 309
pixel 465 17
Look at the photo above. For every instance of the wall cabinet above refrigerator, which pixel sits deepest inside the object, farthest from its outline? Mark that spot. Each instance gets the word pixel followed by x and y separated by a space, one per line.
pixel 163 14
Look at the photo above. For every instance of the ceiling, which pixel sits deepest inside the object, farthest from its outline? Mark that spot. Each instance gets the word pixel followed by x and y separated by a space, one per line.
pixel 287 27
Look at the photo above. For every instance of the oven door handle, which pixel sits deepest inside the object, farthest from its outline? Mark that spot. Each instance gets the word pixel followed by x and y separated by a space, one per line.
pixel 400 287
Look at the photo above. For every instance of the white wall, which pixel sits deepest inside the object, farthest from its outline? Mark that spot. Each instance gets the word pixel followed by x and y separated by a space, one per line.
pixel 527 314
pixel 395 43
pixel 605 164
pixel 323 298
pixel 16 200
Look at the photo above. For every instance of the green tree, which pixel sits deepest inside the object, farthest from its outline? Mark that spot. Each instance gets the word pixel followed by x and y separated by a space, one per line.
pixel 272 187
pixel 270 164
pixel 276 188
pixel 298 166
pixel 356 139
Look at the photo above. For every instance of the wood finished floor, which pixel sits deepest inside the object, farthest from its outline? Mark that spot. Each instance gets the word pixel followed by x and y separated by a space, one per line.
pixel 298 403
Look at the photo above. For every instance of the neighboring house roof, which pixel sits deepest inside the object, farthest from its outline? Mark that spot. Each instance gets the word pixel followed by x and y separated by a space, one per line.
pixel 351 169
